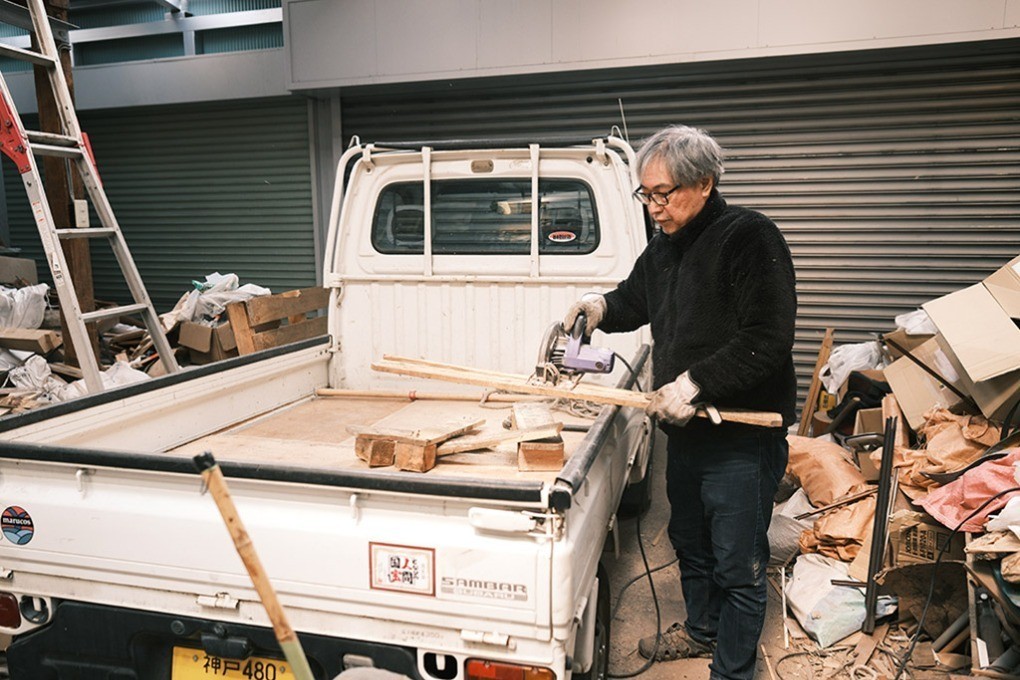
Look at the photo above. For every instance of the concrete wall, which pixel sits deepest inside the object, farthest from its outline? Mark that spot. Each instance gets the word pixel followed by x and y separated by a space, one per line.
pixel 334 43
pixel 213 77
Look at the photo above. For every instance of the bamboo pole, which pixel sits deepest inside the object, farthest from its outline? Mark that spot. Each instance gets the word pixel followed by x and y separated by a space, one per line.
pixel 285 635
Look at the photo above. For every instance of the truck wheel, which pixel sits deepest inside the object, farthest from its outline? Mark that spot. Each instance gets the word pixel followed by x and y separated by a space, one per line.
pixel 600 655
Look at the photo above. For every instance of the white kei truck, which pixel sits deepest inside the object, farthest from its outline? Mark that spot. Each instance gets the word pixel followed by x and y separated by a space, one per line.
pixel 115 564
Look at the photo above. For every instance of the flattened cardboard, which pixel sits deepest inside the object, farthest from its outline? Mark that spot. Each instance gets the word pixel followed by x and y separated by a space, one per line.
pixel 916 391
pixel 980 332
pixel 994 397
pixel 1004 285
pixel 904 340
pixel 868 421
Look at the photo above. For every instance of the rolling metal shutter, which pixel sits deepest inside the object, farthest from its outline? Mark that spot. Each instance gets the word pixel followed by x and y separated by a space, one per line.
pixel 197 189
pixel 894 174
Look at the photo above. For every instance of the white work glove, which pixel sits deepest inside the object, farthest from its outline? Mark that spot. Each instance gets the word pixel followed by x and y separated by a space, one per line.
pixel 593 306
pixel 673 403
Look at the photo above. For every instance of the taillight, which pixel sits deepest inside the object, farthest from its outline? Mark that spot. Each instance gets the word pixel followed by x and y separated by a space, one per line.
pixel 479 669
pixel 10 613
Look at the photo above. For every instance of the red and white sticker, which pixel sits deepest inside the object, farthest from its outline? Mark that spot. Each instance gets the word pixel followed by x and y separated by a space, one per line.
pixel 402 568
pixel 562 236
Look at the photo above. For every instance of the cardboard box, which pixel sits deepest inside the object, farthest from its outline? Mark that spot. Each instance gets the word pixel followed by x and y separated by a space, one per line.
pixel 981 339
pixel 977 326
pixel 904 340
pixel 916 538
pixel 868 421
pixel 915 390
pixel 207 343
pixel 18 270
pixel 994 397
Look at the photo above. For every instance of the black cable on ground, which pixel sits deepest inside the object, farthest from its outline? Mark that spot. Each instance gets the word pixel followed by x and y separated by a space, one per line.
pixel 931 586
pixel 628 584
pixel 658 614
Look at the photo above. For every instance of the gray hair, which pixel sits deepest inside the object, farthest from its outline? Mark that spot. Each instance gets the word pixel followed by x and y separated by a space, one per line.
pixel 690 154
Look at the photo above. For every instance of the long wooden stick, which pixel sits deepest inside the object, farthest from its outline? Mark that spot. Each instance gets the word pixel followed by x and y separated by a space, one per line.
pixel 811 403
pixel 415 395
pixel 285 635
pixel 517 383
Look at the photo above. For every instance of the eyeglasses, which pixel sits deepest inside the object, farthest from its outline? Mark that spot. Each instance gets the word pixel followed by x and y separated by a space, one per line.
pixel 656 197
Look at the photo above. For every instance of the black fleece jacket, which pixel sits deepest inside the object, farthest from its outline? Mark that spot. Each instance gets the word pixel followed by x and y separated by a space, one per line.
pixel 721 297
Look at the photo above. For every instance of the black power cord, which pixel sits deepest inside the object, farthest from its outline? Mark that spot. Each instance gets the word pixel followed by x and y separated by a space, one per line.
pixel 658 614
pixel 931 586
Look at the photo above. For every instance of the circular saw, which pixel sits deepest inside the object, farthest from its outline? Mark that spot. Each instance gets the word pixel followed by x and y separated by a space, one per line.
pixel 567 355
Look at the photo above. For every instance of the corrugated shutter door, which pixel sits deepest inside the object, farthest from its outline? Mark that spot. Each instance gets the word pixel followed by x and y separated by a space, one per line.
pixel 197 189
pixel 894 174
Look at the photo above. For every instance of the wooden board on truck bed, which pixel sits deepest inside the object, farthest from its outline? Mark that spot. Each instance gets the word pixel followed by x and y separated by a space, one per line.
pixel 314 434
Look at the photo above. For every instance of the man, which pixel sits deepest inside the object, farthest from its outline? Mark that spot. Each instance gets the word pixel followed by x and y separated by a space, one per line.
pixel 717 286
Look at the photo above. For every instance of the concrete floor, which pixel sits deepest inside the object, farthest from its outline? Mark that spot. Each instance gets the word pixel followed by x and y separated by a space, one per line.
pixel 635 617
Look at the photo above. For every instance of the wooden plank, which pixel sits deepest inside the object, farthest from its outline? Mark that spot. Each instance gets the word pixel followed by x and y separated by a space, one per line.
pixel 415 395
pixel 266 308
pixel 430 435
pixel 517 383
pixel 375 452
pixel 811 403
pixel 891 409
pixel 283 335
pixel 39 340
pixel 545 454
pixel 244 334
pixel 488 441
pixel 867 644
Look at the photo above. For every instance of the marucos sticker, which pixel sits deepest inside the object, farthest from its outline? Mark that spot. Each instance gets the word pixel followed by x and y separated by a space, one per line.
pixel 562 236
pixel 402 568
pixel 17 525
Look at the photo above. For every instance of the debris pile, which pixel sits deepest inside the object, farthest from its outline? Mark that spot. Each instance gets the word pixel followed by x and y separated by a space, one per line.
pixel 39 369
pixel 900 530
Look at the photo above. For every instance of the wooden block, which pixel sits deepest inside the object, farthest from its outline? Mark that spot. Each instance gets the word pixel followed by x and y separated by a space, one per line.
pixel 415 457
pixel 543 454
pixel 375 452
pixel 30 340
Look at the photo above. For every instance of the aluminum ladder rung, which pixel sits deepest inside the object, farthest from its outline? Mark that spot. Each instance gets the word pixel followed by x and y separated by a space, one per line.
pixel 51 139
pixel 86 232
pixel 12 52
pixel 61 151
pixel 111 312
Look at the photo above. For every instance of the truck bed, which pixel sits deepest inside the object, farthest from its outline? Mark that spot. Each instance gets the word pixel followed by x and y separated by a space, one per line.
pixel 313 433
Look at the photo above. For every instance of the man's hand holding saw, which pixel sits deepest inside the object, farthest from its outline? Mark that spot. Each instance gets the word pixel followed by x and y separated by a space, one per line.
pixel 593 306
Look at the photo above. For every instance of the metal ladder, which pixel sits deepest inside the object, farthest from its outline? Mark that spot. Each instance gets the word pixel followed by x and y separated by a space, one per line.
pixel 22 146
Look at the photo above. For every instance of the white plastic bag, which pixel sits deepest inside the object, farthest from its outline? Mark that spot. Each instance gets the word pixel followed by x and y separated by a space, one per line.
pixel 784 530
pixel 826 612
pixel 916 322
pixel 119 374
pixel 210 299
pixel 846 359
pixel 23 307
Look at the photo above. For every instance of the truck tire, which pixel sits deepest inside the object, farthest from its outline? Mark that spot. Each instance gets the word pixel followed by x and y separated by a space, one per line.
pixel 600 655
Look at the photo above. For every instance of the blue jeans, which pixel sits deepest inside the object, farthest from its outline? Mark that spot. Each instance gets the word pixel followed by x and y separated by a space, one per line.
pixel 720 487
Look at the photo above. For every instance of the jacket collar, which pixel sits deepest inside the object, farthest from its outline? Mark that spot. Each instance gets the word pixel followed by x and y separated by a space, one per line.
pixel 714 207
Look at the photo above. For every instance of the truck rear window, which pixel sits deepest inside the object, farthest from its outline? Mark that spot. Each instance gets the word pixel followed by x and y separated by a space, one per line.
pixel 486 217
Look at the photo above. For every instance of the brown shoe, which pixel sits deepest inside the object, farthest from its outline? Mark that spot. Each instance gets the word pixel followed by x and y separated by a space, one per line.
pixel 675 643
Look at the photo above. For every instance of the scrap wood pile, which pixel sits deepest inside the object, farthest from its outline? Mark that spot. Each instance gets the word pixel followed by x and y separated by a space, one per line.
pixel 531 428
pixel 39 369
pixel 901 513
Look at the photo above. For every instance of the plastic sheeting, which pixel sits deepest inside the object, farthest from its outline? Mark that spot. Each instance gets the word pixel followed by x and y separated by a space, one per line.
pixel 207 302
pixel 848 358
pixel 23 307
pixel 826 612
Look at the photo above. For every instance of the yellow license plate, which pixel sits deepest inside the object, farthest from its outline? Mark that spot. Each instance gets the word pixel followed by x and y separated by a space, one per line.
pixel 195 664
